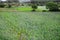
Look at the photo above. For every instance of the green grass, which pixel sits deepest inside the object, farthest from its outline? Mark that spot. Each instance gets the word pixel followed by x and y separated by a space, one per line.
pixel 24 9
pixel 29 9
pixel 30 25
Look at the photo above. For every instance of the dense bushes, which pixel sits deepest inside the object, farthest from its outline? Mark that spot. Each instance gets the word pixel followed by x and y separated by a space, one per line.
pixel 52 6
pixel 34 7
pixel 59 5
pixel 2 5
pixel 9 6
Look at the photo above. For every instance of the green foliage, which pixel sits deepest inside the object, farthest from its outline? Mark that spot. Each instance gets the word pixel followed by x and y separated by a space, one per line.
pixel 34 7
pixel 9 6
pixel 44 11
pixel 29 25
pixel 2 5
pixel 52 6
pixel 59 5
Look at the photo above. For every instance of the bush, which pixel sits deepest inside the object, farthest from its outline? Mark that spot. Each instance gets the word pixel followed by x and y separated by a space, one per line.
pixel 52 6
pixel 59 5
pixel 44 11
pixel 34 7
pixel 9 6
pixel 2 5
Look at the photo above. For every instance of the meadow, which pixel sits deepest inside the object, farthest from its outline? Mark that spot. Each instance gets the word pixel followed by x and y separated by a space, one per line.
pixel 29 25
pixel 29 8
pixel 24 9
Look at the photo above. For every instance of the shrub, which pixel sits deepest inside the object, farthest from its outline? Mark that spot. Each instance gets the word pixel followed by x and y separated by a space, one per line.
pixel 44 11
pixel 9 6
pixel 2 5
pixel 34 7
pixel 52 6
pixel 59 5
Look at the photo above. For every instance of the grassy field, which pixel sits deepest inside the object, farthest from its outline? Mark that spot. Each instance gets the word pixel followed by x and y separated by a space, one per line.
pixel 29 25
pixel 29 9
pixel 24 9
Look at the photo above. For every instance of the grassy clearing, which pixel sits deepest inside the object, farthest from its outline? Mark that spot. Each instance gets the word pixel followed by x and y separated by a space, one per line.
pixel 28 8
pixel 29 26
pixel 24 9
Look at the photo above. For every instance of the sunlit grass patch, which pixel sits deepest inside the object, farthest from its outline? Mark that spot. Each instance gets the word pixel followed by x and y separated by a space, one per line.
pixel 29 8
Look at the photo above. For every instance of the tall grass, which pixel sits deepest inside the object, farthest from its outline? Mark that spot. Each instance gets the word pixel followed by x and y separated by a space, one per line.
pixel 29 26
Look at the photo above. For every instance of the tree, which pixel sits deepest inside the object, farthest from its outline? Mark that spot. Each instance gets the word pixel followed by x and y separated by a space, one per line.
pixel 52 6
pixel 2 5
pixel 34 7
